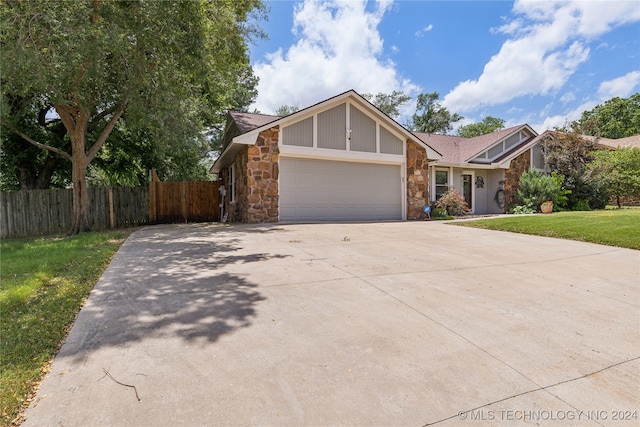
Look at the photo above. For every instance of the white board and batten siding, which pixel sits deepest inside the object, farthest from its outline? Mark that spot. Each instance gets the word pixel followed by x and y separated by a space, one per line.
pixel 341 164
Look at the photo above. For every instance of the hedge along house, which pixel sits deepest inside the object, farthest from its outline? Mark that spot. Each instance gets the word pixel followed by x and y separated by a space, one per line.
pixel 339 160
pixel 485 169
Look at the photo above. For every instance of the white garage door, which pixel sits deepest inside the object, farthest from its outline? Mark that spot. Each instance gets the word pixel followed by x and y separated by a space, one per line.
pixel 322 190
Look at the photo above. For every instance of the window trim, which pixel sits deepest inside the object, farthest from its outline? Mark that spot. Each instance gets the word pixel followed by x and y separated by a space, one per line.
pixel 436 185
pixel 232 184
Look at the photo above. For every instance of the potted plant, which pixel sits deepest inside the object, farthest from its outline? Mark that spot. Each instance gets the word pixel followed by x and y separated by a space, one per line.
pixel 546 207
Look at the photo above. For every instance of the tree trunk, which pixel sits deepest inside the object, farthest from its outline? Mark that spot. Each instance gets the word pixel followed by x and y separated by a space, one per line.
pixel 80 198
pixel 79 166
pixel 77 122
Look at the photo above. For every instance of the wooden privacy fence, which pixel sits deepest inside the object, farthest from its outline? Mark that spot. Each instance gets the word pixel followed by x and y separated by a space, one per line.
pixel 40 212
pixel 183 201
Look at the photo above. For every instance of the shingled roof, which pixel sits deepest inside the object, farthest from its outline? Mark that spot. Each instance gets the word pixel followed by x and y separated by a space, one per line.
pixel 249 121
pixel 458 149
pixel 628 142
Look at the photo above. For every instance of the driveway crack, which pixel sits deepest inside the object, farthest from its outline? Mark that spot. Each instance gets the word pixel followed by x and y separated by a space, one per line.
pixel 545 388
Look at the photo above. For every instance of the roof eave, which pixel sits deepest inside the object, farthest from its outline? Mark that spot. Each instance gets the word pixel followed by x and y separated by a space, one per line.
pixel 516 129
pixel 466 165
pixel 232 150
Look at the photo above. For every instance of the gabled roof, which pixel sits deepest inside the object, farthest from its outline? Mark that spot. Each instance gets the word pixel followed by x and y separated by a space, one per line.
pixel 460 150
pixel 249 121
pixel 253 124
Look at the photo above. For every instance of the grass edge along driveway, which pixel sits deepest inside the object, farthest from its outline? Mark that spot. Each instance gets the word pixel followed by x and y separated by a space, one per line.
pixel 612 226
pixel 45 281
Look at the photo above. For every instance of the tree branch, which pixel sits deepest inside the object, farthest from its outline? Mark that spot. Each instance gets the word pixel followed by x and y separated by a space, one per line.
pixel 66 115
pixel 98 117
pixel 105 132
pixel 38 144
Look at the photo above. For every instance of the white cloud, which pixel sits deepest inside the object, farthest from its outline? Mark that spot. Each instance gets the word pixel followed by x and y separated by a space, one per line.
pixel 622 86
pixel 548 42
pixel 567 97
pixel 337 48
pixel 424 30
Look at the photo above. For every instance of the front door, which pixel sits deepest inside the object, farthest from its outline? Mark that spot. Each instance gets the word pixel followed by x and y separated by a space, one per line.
pixel 467 190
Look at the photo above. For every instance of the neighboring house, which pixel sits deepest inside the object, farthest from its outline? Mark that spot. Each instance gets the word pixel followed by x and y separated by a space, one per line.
pixel 628 142
pixel 344 160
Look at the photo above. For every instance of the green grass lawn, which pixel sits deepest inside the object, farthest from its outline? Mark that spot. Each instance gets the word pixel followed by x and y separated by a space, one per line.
pixel 612 226
pixel 44 282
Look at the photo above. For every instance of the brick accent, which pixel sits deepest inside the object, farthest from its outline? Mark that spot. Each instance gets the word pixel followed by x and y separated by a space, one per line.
pixel 261 172
pixel 417 181
pixel 519 165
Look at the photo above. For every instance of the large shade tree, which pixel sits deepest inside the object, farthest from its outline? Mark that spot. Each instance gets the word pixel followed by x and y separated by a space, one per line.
pixel 487 125
pixel 431 116
pixel 168 64
pixel 388 103
pixel 615 118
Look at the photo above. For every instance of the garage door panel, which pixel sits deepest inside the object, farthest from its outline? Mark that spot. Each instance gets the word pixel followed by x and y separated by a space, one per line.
pixel 317 190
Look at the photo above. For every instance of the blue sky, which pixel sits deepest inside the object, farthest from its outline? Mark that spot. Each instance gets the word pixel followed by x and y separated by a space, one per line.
pixel 536 62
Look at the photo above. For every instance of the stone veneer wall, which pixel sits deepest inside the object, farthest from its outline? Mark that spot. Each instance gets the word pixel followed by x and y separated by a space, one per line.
pixel 262 199
pixel 238 209
pixel 417 181
pixel 519 165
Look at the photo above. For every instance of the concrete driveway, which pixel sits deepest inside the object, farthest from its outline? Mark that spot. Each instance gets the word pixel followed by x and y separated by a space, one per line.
pixel 407 323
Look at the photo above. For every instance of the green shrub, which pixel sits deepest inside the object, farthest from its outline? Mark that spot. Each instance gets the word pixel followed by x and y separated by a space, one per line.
pixel 453 203
pixel 593 190
pixel 617 172
pixel 438 212
pixel 581 205
pixel 522 209
pixel 536 188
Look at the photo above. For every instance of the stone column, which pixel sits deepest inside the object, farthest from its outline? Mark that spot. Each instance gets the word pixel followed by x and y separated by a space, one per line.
pixel 518 166
pixel 417 181
pixel 262 178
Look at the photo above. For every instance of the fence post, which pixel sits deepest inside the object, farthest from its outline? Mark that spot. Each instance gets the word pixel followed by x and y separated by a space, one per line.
pixel 112 219
pixel 183 200
pixel 153 209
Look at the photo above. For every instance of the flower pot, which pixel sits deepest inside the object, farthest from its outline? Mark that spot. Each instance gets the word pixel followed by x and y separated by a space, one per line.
pixel 546 207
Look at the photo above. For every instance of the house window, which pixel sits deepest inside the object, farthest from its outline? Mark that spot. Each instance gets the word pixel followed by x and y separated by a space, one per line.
pixel 441 182
pixel 537 159
pixel 232 184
